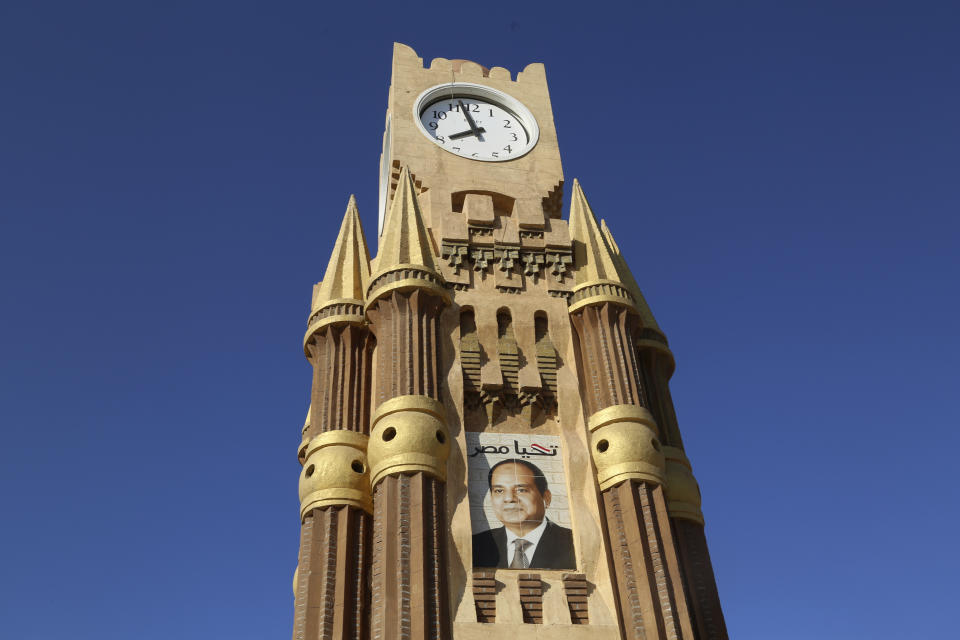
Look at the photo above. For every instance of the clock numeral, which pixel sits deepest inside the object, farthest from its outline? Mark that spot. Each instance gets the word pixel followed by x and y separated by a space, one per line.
pixel 456 148
pixel 491 113
pixel 514 138
pixel 441 140
pixel 495 154
pixel 433 125
pixel 473 155
pixel 508 149
pixel 475 109
pixel 439 115
pixel 506 124
pixel 453 107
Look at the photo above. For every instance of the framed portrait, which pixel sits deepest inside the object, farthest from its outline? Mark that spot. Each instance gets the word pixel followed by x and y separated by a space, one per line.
pixel 519 508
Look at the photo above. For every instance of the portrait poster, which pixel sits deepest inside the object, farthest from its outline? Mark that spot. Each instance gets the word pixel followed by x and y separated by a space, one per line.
pixel 519 507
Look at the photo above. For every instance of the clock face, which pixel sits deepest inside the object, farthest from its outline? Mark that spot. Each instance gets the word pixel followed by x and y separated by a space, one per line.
pixel 476 122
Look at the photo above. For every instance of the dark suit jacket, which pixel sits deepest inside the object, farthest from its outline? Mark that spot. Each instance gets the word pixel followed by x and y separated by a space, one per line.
pixel 554 551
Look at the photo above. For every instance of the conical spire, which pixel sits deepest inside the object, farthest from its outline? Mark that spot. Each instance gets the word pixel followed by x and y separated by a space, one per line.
pixel 405 247
pixel 592 254
pixel 598 276
pixel 404 239
pixel 339 297
pixel 348 271
pixel 629 282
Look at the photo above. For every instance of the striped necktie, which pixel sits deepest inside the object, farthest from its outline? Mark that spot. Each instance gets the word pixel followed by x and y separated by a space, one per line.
pixel 519 557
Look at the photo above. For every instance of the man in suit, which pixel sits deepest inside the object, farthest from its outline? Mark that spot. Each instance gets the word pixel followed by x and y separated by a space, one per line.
pixel 527 540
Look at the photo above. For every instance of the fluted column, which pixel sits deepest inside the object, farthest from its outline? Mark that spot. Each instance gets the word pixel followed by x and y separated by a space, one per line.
pixel 630 465
pixel 331 587
pixel 409 439
pixel 624 438
pixel 408 450
pixel 682 493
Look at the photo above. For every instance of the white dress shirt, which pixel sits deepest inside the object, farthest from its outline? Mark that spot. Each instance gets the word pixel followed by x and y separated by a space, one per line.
pixel 533 537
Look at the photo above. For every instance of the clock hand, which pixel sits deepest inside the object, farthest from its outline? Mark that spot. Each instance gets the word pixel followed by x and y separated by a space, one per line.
pixel 473 125
pixel 464 134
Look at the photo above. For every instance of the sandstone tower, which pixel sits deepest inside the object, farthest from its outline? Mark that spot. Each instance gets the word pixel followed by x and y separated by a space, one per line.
pixel 491 449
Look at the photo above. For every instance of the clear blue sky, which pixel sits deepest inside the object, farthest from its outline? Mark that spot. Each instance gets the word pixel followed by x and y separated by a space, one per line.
pixel 171 179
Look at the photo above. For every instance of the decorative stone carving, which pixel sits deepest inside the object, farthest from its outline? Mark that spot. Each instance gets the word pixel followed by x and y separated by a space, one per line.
pixel 482 259
pixel 559 263
pixel 507 258
pixel 455 254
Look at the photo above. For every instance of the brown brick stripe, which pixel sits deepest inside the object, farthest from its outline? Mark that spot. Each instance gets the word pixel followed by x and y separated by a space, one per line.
pixel 485 595
pixel 409 563
pixel 610 372
pixel 575 590
pixel 650 601
pixel 700 584
pixel 531 597
pixel 331 599
pixel 341 380
pixel 409 579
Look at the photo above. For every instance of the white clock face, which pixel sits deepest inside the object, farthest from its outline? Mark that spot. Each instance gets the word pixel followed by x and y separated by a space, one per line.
pixel 476 122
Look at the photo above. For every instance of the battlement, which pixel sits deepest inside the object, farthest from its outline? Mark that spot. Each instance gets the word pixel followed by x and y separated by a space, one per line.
pixel 533 73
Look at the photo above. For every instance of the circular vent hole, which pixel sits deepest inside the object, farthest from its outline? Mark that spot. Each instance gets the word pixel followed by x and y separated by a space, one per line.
pixel 440 437
pixel 357 466
pixel 602 446
pixel 310 470
pixel 389 434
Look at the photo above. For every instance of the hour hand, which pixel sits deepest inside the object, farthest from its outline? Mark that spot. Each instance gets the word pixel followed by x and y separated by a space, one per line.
pixel 469 132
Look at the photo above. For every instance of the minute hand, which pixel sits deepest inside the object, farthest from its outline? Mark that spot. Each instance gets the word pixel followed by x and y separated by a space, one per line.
pixel 473 125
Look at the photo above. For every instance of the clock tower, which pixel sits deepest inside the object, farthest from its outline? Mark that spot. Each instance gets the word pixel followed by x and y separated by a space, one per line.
pixel 491 447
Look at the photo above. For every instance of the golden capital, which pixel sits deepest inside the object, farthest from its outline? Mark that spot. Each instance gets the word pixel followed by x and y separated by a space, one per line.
pixel 681 488
pixel 625 446
pixel 335 472
pixel 408 434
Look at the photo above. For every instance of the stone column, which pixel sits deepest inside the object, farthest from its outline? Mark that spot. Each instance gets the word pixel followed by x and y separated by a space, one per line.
pixel 682 493
pixel 331 586
pixel 409 439
pixel 624 439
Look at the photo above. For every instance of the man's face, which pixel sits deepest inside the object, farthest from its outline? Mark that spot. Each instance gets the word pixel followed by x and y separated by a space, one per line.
pixel 516 499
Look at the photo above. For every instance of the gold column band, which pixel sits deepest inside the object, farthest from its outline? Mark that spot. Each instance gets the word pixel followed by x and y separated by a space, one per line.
pixel 624 445
pixel 407 434
pixel 681 488
pixel 335 472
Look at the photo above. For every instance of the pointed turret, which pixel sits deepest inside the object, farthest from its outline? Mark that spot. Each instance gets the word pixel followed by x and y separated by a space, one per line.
pixel 405 258
pixel 598 276
pixel 649 322
pixel 339 296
